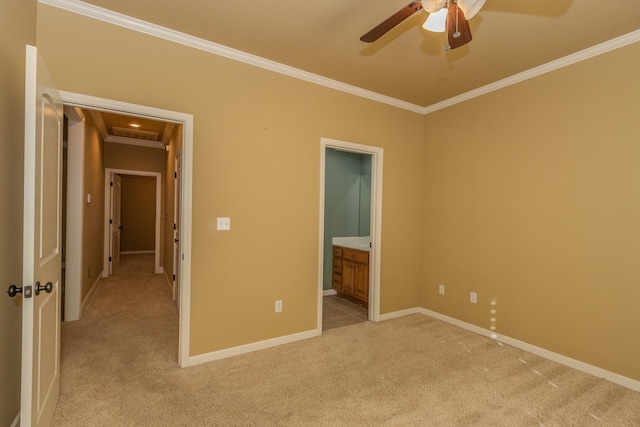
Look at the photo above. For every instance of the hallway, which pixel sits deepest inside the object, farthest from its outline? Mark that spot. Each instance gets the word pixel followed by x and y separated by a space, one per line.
pixel 129 327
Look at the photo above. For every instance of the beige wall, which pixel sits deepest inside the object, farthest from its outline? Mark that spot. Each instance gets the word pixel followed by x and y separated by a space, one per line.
pixel 134 157
pixel 256 159
pixel 17 28
pixel 532 198
pixel 526 195
pixel 138 213
pixel 93 231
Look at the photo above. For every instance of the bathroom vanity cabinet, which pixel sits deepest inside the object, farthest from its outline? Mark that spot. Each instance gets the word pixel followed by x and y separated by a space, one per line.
pixel 351 274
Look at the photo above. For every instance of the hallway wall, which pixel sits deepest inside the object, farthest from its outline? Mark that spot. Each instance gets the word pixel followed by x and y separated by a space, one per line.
pixel 93 224
pixel 138 213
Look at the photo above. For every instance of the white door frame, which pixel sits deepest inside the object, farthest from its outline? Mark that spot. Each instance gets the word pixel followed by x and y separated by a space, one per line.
pixel 177 176
pixel 376 221
pixel 109 173
pixel 103 104
pixel 75 213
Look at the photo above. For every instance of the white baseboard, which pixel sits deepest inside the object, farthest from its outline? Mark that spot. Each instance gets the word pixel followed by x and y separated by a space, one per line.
pixel 16 421
pixel 248 348
pixel 91 292
pixel 168 281
pixel 137 252
pixel 400 313
pixel 327 292
pixel 538 351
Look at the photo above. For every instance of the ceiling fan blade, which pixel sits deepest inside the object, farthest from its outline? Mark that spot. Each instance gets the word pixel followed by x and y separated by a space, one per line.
pixel 458 30
pixel 392 21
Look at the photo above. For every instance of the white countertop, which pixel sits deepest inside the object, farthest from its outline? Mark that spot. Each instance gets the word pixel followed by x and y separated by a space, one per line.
pixel 362 243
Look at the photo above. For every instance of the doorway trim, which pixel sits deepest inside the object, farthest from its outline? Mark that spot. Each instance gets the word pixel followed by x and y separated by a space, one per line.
pixel 109 173
pixel 177 188
pixel 75 214
pixel 109 105
pixel 376 221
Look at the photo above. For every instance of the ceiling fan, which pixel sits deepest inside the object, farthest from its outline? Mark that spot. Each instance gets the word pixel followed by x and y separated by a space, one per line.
pixel 450 14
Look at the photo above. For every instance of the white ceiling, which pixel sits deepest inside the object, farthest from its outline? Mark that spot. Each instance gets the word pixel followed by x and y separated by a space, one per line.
pixel 408 63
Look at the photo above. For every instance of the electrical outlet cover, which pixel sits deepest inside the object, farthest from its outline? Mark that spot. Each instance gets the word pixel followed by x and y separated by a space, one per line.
pixel 224 223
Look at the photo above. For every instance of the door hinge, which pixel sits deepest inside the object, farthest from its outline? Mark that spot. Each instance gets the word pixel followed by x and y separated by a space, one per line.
pixel 109 259
pixel 111 184
pixel 110 221
pixel 175 226
pixel 175 175
pixel 174 277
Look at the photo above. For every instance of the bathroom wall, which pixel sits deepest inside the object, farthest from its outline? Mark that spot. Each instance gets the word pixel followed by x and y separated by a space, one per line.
pixel 364 224
pixel 347 209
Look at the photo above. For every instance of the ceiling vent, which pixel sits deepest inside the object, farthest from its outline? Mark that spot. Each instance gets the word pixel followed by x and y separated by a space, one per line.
pixel 137 134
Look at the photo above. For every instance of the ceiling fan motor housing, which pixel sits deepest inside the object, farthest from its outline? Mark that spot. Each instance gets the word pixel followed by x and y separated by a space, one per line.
pixel 433 6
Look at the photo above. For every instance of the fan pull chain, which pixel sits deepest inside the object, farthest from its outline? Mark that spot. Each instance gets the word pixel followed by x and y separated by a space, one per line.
pixel 457 33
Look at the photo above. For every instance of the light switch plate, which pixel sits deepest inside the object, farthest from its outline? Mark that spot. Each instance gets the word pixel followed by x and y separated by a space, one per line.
pixel 473 297
pixel 224 223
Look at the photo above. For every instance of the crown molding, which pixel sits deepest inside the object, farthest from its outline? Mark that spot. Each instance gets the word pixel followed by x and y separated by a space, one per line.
pixel 579 56
pixel 121 20
pixel 134 141
pixel 115 18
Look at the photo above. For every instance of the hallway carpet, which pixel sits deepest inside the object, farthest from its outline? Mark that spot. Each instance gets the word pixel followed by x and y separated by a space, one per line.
pixel 119 368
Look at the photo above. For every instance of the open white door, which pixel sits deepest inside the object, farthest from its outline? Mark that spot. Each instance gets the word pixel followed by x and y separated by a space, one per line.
pixel 41 245
pixel 116 223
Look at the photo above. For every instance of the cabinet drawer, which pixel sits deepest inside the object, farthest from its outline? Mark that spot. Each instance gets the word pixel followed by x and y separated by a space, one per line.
pixel 337 282
pixel 337 251
pixel 337 265
pixel 355 255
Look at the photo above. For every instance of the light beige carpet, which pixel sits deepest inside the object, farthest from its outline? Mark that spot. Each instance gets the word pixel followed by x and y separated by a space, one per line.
pixel 119 368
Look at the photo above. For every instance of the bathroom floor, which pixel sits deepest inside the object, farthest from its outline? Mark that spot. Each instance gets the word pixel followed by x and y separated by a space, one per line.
pixel 337 312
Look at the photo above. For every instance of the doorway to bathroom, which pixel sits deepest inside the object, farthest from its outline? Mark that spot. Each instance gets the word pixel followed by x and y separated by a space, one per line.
pixel 350 230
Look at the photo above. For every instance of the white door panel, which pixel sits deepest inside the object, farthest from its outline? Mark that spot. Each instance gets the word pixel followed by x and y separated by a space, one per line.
pixel 41 245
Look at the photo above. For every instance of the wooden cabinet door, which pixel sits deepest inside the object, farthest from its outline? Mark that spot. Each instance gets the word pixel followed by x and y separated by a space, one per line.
pixel 348 276
pixel 361 282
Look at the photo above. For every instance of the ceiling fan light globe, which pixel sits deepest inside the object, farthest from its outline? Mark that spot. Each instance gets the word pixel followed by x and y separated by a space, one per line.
pixel 437 22
pixel 470 7
pixel 432 6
